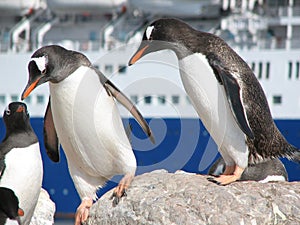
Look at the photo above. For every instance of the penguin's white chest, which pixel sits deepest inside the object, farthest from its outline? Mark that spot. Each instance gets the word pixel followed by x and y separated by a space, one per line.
pixel 23 174
pixel 89 126
pixel 209 99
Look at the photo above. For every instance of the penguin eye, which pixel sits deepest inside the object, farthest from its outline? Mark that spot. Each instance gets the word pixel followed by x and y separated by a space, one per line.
pixel 44 71
pixel 7 111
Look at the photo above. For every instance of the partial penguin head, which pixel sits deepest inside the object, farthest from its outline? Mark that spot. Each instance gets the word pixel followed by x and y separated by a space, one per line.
pixel 52 63
pixel 16 116
pixel 9 206
pixel 162 34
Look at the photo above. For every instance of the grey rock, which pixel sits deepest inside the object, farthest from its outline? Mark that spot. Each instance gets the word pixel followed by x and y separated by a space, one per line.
pixel 44 210
pixel 182 198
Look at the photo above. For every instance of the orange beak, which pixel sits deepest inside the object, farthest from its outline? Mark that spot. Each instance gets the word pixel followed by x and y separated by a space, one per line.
pixel 138 55
pixel 21 109
pixel 20 212
pixel 29 89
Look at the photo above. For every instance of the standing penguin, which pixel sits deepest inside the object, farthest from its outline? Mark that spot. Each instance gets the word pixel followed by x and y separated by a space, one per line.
pixel 82 115
pixel 225 93
pixel 9 207
pixel 21 168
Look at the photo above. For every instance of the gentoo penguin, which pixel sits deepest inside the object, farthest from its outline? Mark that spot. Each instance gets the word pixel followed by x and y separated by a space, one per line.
pixel 83 117
pixel 9 207
pixel 268 171
pixel 225 93
pixel 21 168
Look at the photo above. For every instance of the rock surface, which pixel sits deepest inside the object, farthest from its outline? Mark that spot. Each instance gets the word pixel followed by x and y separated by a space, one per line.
pixel 182 198
pixel 44 210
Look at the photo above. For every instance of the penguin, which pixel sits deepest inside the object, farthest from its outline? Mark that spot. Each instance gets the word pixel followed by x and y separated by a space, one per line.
pixel 225 93
pixel 9 207
pixel 21 168
pixel 83 117
pixel 264 172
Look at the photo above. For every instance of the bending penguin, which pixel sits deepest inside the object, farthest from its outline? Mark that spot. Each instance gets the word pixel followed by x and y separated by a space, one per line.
pixel 9 207
pixel 83 117
pixel 225 93
pixel 21 168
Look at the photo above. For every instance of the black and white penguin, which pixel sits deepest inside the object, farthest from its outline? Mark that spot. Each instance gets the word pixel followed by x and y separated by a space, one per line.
pixel 83 117
pixel 225 93
pixel 268 171
pixel 21 168
pixel 9 207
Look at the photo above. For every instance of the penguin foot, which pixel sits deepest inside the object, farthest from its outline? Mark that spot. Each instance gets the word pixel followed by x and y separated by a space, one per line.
pixel 83 210
pixel 230 175
pixel 223 179
pixel 120 190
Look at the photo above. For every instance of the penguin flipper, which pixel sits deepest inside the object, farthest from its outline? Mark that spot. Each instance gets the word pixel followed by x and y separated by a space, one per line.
pixel 50 136
pixel 233 95
pixel 117 94
pixel 2 167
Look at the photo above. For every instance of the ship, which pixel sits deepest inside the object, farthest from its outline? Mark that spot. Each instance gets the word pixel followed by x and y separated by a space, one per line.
pixel 266 33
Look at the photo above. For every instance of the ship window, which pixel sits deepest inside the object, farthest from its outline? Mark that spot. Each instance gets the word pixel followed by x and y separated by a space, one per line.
pixel 122 69
pixel 40 99
pixel 2 99
pixel 14 98
pixel 253 66
pixel 161 99
pixel 290 70
pixel 28 99
pixel 267 70
pixel 260 70
pixel 148 99
pixel 108 69
pixel 297 70
pixel 175 99
pixel 134 99
pixel 277 99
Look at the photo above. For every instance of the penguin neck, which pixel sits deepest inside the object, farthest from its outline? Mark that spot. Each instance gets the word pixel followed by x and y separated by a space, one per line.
pixel 19 133
pixel 181 49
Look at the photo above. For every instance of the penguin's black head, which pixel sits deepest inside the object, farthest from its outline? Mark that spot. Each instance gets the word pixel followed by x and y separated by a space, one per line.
pixel 16 117
pixel 52 63
pixel 41 67
pixel 162 34
pixel 9 205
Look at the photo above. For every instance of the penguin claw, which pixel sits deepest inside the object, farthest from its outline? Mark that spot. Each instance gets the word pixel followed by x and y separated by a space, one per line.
pixel 211 179
pixel 117 197
pixel 82 211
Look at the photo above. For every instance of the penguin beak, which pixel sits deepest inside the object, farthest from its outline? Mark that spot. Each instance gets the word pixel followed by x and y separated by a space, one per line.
pixel 20 212
pixel 139 54
pixel 20 109
pixel 29 88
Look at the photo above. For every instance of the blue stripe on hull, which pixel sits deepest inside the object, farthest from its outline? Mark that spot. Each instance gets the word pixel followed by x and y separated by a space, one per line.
pixel 180 144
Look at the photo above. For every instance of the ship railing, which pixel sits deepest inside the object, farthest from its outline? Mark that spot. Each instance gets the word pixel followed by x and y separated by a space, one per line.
pixel 270 43
pixel 282 11
pixel 77 45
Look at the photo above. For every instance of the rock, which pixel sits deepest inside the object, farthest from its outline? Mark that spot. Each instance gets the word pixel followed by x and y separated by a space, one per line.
pixel 44 210
pixel 160 197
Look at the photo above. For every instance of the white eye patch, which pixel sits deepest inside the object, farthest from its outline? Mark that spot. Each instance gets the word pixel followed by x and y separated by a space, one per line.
pixel 149 31
pixel 41 62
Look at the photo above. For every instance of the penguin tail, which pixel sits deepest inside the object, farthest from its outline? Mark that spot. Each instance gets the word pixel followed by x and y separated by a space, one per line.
pixel 293 153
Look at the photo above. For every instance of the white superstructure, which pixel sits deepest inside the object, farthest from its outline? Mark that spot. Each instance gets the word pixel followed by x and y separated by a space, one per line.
pixel 265 33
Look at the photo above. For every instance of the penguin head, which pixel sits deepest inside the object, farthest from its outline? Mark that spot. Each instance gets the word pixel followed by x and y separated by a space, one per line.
pixel 162 34
pixel 51 63
pixel 9 205
pixel 16 116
